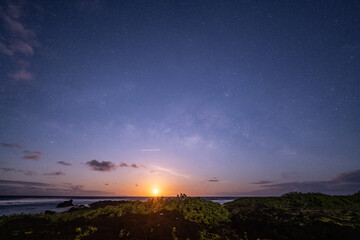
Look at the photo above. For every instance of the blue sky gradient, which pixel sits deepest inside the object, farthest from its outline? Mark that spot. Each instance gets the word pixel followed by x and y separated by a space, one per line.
pixel 202 97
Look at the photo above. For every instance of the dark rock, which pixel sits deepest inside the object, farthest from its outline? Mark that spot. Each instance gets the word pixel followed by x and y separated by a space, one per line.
pixel 65 204
pixel 77 208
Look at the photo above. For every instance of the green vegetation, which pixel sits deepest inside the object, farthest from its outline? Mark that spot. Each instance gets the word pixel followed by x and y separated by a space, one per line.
pixel 299 212
pixel 204 235
pixel 173 234
pixel 85 234
pixel 193 209
pixel 302 208
pixel 89 222
pixel 301 200
pixel 291 216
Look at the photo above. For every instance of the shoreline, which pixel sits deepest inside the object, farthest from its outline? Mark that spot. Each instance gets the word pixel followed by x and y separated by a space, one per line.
pixel 34 205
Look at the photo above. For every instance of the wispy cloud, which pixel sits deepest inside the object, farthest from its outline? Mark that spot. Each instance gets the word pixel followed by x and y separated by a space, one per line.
pixel 192 140
pixel 122 164
pixel 32 155
pixel 342 183
pixel 151 150
pixel 11 145
pixel 134 165
pixel 24 183
pixel 103 166
pixel 33 152
pixel 348 177
pixel 8 169
pixel 213 180
pixel 23 47
pixel 14 26
pixel 9 187
pixel 5 50
pixel 20 42
pixel 76 187
pixel 58 173
pixel 171 172
pixel 262 182
pixel 30 173
pixel 64 163
pixel 27 173
pixel 21 74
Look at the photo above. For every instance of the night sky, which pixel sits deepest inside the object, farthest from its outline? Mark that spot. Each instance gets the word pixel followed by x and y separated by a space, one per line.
pixel 210 98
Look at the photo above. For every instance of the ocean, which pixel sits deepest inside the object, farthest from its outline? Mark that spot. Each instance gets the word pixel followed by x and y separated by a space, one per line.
pixel 33 205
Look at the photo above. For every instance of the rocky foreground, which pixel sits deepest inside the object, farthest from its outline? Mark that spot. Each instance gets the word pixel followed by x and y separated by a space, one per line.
pixel 292 216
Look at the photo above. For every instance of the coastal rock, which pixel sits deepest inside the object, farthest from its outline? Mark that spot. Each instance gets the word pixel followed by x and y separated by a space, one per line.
pixel 77 208
pixel 65 204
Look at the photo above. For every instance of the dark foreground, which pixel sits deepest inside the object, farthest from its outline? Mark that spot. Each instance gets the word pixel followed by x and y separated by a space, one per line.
pixel 292 216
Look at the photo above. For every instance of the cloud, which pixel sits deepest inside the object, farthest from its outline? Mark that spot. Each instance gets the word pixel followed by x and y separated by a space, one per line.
pixel 150 150
pixel 196 141
pixel 22 74
pixel 8 169
pixel 348 177
pixel 129 129
pixel 32 152
pixel 32 155
pixel 8 187
pixel 16 28
pixel 22 47
pixel 30 173
pixel 171 172
pixel 134 165
pixel 20 41
pixel 214 180
pixel 27 173
pixel 122 164
pixel 192 140
pixel 23 183
pixel 11 145
pixel 262 182
pixel 5 50
pixel 58 173
pixel 64 163
pixel 76 187
pixel 103 166
pixel 342 183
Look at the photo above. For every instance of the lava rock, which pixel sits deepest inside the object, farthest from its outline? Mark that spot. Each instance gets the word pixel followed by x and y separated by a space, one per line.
pixel 77 208
pixel 65 204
